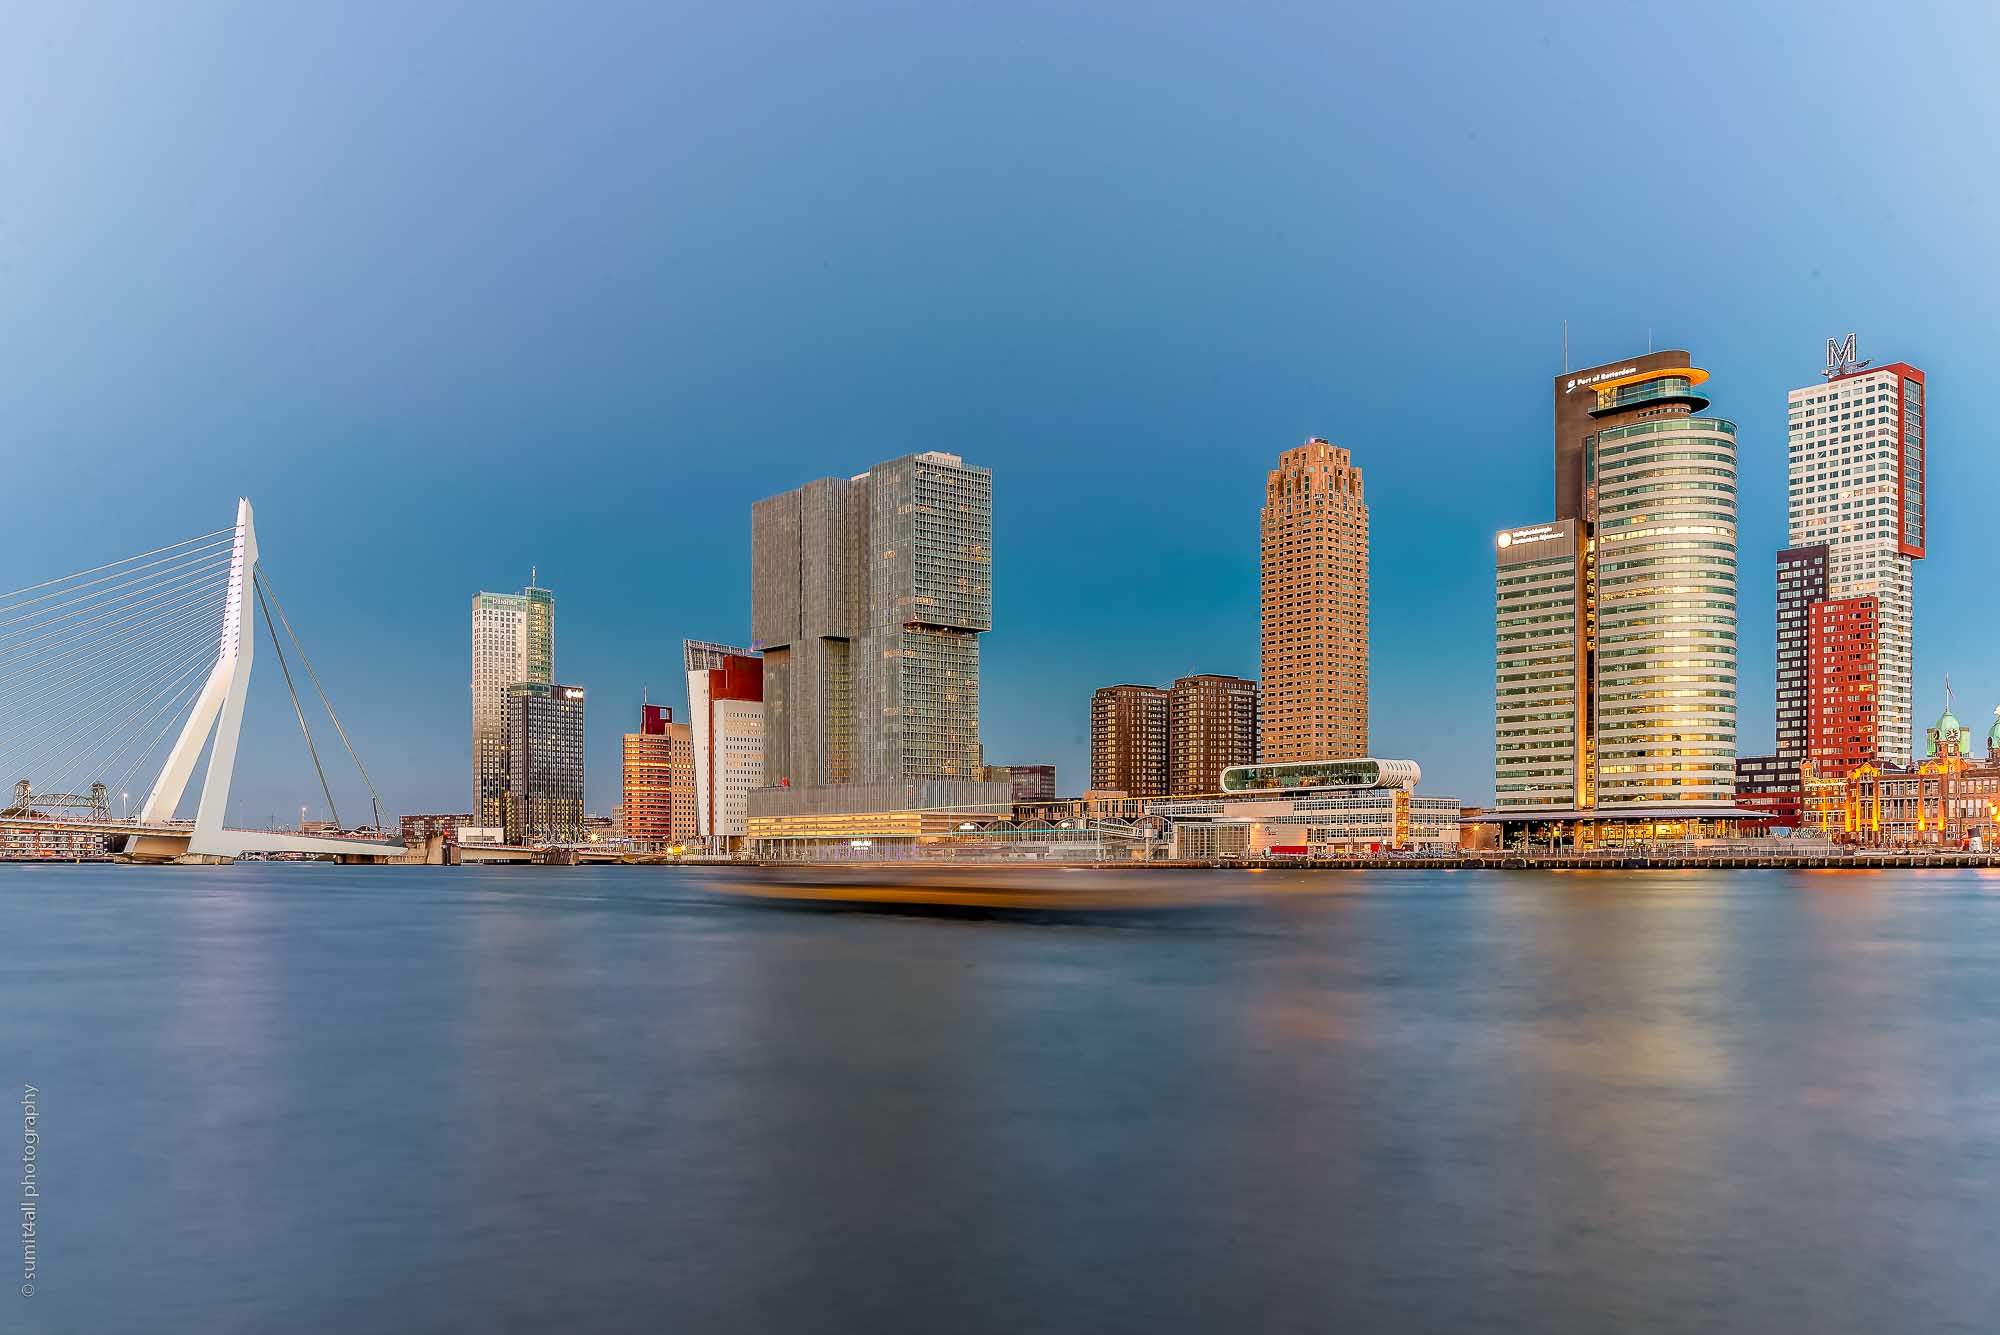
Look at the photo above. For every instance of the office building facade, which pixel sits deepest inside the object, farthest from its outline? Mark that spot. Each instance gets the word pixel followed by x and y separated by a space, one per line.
pixel 869 595
pixel 659 782
pixel 415 830
pixel 1615 624
pixel 1313 607
pixel 513 641
pixel 1538 665
pixel 1025 783
pixel 726 714
pixel 1128 740
pixel 545 764
pixel 1769 785
pixel 1857 450
pixel 1211 725
pixel 1801 584
pixel 1843 655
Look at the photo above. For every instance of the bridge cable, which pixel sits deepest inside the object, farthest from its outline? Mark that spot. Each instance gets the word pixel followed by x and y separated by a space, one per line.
pixel 79 574
pixel 264 587
pixel 280 650
pixel 67 706
pixel 213 558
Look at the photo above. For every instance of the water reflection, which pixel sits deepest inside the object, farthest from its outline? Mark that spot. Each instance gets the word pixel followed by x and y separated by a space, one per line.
pixel 616 1099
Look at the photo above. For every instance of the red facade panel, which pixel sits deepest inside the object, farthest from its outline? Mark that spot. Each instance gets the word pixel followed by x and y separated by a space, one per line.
pixel 1842 663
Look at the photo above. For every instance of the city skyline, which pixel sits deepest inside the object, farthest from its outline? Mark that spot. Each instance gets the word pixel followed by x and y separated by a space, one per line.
pixel 1169 304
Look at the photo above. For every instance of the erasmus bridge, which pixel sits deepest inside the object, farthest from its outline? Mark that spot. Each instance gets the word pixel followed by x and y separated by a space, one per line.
pixel 115 678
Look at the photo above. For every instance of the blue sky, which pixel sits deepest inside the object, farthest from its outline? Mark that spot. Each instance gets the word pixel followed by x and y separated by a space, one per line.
pixel 453 290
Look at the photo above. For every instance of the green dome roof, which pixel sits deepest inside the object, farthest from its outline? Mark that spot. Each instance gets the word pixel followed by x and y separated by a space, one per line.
pixel 1941 733
pixel 1993 733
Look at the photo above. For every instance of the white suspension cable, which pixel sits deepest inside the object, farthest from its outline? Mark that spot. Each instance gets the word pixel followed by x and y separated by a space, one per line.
pixel 37 742
pixel 106 751
pixel 167 603
pixel 175 715
pixel 217 556
pixel 199 618
pixel 264 586
pixel 6 598
pixel 81 709
pixel 279 649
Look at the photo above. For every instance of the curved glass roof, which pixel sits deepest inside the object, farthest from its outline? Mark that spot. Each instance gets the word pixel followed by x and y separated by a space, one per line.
pixel 1292 775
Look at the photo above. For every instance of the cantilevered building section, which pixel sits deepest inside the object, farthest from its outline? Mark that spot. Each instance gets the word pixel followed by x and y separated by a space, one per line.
pixel 726 714
pixel 869 595
pixel 1314 607
pixel 1857 467
pixel 1615 624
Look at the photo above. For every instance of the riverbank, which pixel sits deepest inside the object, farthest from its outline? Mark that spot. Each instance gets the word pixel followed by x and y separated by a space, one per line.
pixel 1609 860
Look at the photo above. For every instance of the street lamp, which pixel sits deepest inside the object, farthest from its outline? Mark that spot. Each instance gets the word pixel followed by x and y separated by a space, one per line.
pixel 123 799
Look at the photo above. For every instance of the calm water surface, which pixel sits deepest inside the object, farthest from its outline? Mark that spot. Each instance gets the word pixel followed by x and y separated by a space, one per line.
pixel 310 1098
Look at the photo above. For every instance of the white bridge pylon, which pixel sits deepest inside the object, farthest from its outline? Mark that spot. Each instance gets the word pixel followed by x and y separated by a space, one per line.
pixel 219 708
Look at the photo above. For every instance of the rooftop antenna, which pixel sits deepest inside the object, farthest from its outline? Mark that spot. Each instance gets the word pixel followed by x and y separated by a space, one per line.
pixel 534 572
pixel 1649 340
pixel 1565 347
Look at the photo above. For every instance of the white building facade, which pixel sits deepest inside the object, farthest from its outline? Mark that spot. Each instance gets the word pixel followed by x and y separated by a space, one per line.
pixel 726 714
pixel 1537 636
pixel 1857 448
pixel 1317 808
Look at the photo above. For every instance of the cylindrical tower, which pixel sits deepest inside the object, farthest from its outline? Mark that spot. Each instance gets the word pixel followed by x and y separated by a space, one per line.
pixel 1662 559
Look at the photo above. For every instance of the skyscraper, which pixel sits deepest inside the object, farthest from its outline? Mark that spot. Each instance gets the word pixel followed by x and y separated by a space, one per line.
pixel 1314 607
pixel 869 595
pixel 726 711
pixel 513 640
pixel 1128 740
pixel 1857 467
pixel 659 781
pixel 1211 725
pixel 544 802
pixel 1801 584
pixel 1615 625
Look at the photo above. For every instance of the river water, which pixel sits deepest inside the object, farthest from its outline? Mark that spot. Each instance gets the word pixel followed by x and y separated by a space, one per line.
pixel 301 1098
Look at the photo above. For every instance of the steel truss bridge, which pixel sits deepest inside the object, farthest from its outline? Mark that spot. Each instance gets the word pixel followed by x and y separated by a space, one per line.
pixel 98 669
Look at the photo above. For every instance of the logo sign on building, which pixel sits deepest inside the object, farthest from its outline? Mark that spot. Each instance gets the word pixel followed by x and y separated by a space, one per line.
pixel 1535 542
pixel 1611 373
pixel 1841 358
pixel 1520 537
